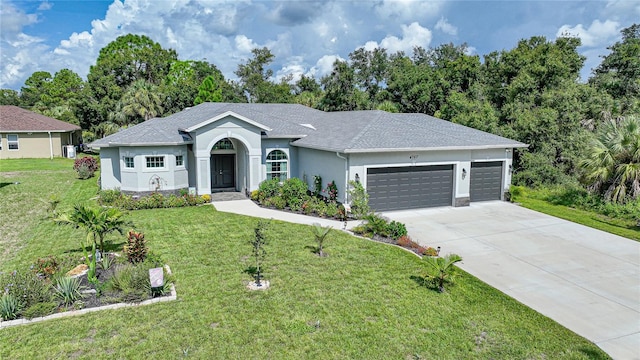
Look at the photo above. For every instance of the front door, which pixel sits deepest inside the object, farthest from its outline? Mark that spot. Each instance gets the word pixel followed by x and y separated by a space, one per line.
pixel 223 171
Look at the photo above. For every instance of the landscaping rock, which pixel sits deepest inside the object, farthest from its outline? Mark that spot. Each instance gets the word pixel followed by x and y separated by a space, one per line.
pixel 78 270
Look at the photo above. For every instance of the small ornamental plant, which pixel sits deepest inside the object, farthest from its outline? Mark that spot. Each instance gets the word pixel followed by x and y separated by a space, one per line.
pixel 258 242
pixel 332 191
pixel 85 167
pixel 136 247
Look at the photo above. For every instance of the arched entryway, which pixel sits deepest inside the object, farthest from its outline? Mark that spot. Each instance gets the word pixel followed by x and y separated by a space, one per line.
pixel 229 165
pixel 223 165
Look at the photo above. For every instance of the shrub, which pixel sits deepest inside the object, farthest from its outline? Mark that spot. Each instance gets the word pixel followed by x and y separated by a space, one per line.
pixel 431 252
pixel 26 286
pixel 376 224
pixel 67 290
pixel 136 247
pixel 270 188
pixel 206 198
pixel 332 191
pixel 317 185
pixel 396 229
pixel 109 197
pixel 40 309
pixel 85 166
pixel 255 195
pixel 294 190
pixel 278 202
pixel 46 267
pixel 359 200
pixel 9 307
pixel 333 210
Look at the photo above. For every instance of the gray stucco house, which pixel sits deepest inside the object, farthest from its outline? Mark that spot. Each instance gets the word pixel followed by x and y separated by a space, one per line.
pixel 403 160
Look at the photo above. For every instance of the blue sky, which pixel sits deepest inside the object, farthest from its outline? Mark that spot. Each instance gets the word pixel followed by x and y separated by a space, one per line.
pixel 305 36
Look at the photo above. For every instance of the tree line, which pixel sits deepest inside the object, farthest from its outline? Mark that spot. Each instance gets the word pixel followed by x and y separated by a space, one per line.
pixel 531 93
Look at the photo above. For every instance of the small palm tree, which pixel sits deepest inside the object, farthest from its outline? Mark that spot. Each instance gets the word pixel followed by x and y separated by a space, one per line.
pixel 320 233
pixel 142 100
pixel 613 164
pixel 441 269
pixel 97 222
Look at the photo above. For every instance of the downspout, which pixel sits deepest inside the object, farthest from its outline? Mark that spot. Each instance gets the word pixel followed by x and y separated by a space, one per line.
pixel 50 145
pixel 346 175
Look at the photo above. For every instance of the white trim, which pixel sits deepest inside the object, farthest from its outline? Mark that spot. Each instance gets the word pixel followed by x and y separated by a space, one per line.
pixel 287 160
pixel 17 141
pixel 222 116
pixel 145 168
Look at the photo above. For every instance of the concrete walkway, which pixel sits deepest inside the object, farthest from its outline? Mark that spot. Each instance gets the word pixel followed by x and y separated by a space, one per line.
pixel 248 207
pixel 585 279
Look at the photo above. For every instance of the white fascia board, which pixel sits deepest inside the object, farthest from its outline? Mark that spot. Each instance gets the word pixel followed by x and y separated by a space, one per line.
pixel 114 144
pixel 484 147
pixel 36 131
pixel 224 115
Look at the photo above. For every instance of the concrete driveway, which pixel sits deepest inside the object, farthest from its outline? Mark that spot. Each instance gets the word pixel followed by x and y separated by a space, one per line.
pixel 585 279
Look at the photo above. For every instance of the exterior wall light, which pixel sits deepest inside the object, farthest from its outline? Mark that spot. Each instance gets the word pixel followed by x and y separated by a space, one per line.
pixel 357 178
pixel 464 173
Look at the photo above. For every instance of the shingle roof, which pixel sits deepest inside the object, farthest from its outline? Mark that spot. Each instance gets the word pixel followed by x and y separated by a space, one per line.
pixel 15 119
pixel 348 131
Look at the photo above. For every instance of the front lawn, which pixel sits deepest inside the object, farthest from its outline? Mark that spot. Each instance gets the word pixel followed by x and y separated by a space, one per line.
pixel 541 200
pixel 361 301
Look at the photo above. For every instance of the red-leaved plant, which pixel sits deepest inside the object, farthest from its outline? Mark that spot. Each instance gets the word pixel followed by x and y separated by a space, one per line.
pixel 136 247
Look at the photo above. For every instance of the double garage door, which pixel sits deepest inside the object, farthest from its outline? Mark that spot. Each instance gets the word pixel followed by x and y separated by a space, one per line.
pixel 412 187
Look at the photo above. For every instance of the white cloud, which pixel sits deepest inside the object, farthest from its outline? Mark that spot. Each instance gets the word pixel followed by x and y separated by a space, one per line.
pixel 45 5
pixel 408 9
pixel 13 19
pixel 324 65
pixel 444 26
pixel 597 34
pixel 244 44
pixel 412 35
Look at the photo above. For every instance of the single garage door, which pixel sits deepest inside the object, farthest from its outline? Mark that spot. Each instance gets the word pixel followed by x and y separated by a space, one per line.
pixel 486 181
pixel 410 187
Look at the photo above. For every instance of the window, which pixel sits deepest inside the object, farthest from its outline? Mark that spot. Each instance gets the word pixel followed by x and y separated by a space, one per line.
pixel 128 162
pixel 224 144
pixel 155 161
pixel 179 160
pixel 277 165
pixel 12 141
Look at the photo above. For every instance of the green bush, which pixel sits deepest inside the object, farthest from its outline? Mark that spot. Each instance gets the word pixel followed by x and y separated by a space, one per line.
pixel 396 229
pixel 270 188
pixel 26 286
pixel 359 200
pixel 156 200
pixel 294 190
pixel 40 309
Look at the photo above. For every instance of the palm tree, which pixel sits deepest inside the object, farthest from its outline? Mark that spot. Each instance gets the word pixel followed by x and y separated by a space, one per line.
pixel 441 269
pixel 142 100
pixel 612 167
pixel 97 222
pixel 320 233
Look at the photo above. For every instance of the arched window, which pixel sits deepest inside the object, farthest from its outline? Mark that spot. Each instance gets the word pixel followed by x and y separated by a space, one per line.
pixel 277 165
pixel 224 144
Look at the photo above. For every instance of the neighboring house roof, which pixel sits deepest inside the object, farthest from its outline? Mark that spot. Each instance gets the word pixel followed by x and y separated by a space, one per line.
pixel 346 131
pixel 19 120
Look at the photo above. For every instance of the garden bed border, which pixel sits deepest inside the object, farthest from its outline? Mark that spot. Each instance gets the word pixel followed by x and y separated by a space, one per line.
pixel 173 296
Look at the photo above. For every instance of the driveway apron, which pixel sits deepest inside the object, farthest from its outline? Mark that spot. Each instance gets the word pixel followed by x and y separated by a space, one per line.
pixel 585 279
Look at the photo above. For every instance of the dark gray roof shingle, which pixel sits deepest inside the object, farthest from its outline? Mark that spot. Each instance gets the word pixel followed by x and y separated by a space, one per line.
pixel 349 131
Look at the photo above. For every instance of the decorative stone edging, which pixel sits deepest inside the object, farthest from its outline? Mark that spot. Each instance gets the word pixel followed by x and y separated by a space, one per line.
pixel 172 297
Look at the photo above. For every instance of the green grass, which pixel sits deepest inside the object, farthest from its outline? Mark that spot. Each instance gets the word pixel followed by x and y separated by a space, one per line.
pixel 363 296
pixel 535 200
